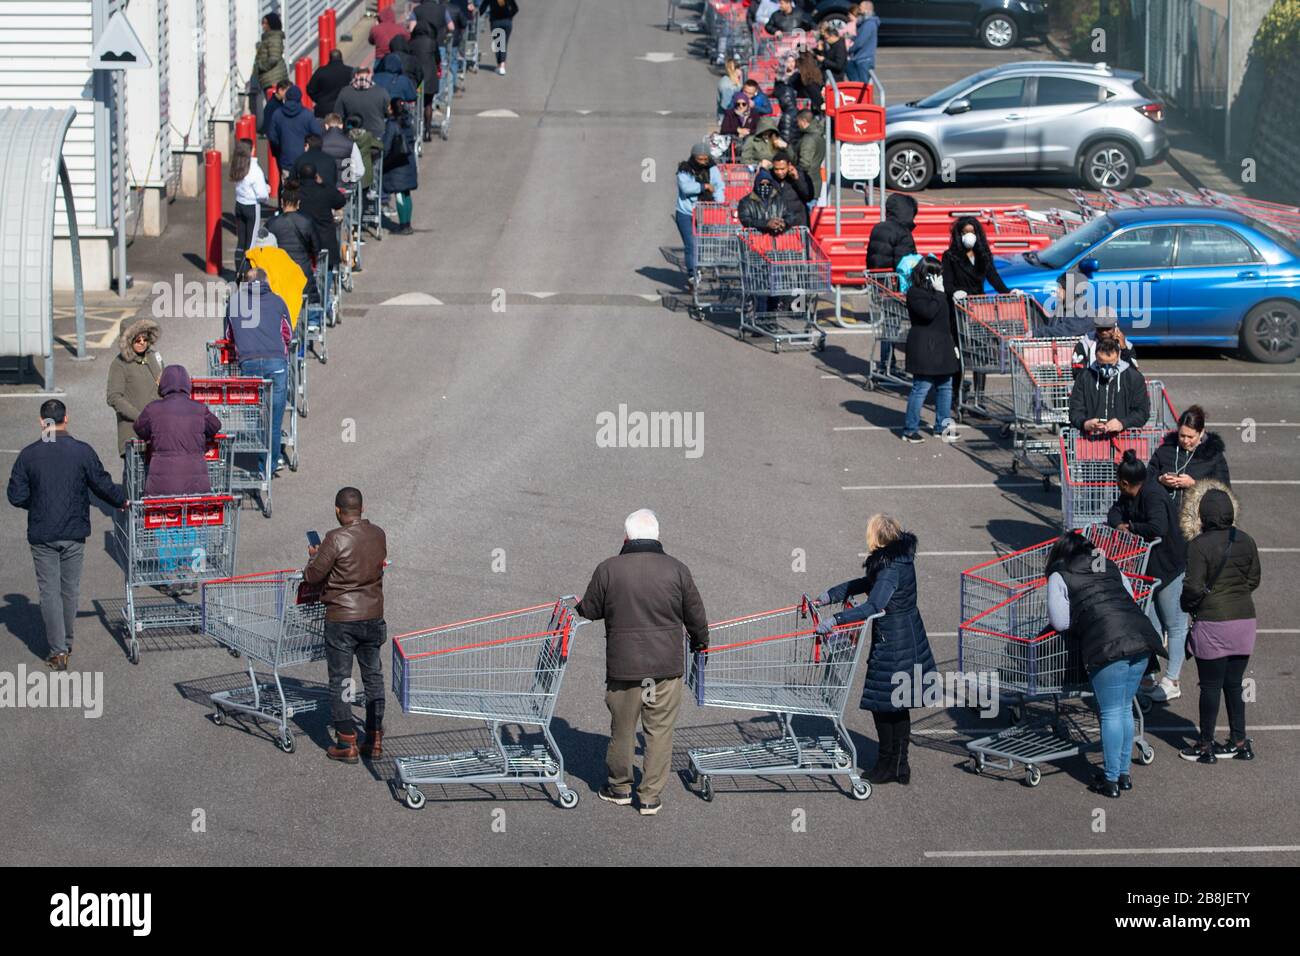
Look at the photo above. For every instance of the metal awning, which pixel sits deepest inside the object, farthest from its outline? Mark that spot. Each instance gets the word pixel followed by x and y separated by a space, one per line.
pixel 31 162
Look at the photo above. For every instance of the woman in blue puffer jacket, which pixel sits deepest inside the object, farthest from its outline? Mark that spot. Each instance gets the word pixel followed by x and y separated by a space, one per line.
pixel 899 645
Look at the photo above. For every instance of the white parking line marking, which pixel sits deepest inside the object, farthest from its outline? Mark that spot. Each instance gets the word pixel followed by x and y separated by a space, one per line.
pixel 985 485
pixel 1256 424
pixel 1149 728
pixel 1113 851
pixel 1164 375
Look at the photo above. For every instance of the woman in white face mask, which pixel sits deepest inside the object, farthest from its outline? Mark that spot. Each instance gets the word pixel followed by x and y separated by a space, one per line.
pixel 931 351
pixel 967 265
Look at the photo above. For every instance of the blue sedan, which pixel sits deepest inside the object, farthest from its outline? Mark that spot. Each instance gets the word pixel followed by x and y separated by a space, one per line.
pixel 1181 275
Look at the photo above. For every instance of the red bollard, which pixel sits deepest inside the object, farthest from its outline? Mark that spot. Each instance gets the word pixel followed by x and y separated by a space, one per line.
pixel 246 128
pixel 212 192
pixel 332 15
pixel 382 5
pixel 323 38
pixel 301 76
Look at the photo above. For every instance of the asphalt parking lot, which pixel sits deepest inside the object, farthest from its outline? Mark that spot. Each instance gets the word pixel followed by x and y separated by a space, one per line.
pixel 475 435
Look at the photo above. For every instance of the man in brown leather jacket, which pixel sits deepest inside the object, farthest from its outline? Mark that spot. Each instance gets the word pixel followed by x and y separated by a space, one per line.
pixel 349 567
pixel 647 600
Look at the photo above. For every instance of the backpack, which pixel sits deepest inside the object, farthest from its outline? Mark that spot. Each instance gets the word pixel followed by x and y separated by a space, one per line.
pixel 904 271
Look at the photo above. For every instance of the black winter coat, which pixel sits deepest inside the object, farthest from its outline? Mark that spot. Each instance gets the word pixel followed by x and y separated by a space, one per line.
pixel 53 481
pixel 295 234
pixel 899 644
pixel 1230 599
pixel 754 212
pixel 1207 461
pixel 960 274
pixel 326 84
pixel 412 66
pixel 646 599
pixel 318 205
pixel 1123 397
pixel 1105 621
pixel 930 348
pixel 892 239
pixel 835 58
pixel 1150 515
pixel 400 177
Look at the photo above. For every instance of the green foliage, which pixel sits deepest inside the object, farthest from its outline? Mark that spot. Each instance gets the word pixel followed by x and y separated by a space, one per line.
pixel 1278 39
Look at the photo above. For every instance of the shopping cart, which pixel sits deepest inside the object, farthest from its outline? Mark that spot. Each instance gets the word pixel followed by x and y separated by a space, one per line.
pixel 1042 378
pixel 271 618
pixel 781 279
pixel 442 96
pixel 319 308
pixel 683 22
pixel 222 362
pixel 986 326
pixel 1163 415
pixel 173 543
pixel 370 202
pixel 775 662
pixel 727 26
pixel 295 406
pixel 350 243
pixel 1013 643
pixel 887 314
pixel 990 583
pixel 1088 487
pixel 717 256
pixel 501 669
pixel 218 455
pixel 244 407
pixel 738 182
pixel 470 48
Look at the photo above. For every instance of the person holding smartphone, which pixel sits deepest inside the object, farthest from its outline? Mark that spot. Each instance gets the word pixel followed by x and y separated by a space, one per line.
pixel 349 567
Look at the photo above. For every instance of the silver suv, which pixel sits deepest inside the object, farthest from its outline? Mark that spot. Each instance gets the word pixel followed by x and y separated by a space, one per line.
pixel 1102 123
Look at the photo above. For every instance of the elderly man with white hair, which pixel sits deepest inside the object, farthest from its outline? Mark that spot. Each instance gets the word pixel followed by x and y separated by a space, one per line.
pixel 646 599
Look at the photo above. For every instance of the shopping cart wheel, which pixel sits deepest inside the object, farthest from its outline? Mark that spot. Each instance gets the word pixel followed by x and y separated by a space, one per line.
pixel 1033 776
pixel 977 764
pixel 1015 713
pixel 1146 754
pixel 862 790
pixel 842 761
pixel 445 129
pixel 292 460
pixel 1144 704
pixel 266 507
pixel 232 652
pixel 286 741
pixel 133 652
pixel 218 716
pixel 303 407
pixel 706 788
pixel 568 799
pixel 414 798
pixel 821 344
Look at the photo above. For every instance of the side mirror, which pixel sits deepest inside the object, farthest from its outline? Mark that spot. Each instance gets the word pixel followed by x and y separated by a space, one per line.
pixel 1088 266
pixel 959 105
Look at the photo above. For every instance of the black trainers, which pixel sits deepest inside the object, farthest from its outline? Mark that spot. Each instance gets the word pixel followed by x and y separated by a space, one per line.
pixel 914 438
pixel 618 799
pixel 1200 753
pixel 1107 788
pixel 1126 781
pixel 1230 751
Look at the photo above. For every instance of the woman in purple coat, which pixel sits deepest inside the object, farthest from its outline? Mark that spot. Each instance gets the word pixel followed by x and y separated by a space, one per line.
pixel 177 429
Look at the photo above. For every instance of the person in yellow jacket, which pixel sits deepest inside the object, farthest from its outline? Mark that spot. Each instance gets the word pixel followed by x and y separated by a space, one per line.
pixel 283 275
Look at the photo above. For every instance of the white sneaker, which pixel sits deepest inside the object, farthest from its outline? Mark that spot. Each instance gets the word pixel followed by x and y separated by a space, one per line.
pixel 501 70
pixel 1166 690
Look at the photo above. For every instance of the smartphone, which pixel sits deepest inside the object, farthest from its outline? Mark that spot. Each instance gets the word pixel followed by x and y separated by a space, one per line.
pixel 313 538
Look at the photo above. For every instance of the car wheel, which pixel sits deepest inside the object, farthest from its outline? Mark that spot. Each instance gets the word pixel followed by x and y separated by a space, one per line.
pixel 1271 332
pixel 999 32
pixel 1108 165
pixel 908 167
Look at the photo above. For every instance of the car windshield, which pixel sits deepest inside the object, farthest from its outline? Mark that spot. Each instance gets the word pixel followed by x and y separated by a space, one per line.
pixel 1063 250
pixel 948 92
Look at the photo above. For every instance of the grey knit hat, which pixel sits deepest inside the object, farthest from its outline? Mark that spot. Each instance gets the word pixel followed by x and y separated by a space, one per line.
pixel 701 149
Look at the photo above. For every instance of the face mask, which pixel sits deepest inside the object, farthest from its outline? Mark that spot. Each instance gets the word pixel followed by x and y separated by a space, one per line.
pixel 936 283
pixel 968 240
pixel 1107 372
pixel 764 191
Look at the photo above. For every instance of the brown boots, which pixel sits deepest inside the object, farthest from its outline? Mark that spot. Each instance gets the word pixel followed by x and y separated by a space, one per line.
pixel 345 750
pixel 373 748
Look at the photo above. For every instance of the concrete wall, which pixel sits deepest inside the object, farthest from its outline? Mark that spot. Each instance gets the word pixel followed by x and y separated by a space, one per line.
pixel 1246 78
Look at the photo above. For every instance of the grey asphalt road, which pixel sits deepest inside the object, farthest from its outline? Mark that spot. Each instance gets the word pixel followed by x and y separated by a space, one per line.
pixel 475 437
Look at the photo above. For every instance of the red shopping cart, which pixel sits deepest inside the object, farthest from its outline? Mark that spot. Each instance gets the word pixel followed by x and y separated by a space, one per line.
pixel 782 277
pixel 1088 463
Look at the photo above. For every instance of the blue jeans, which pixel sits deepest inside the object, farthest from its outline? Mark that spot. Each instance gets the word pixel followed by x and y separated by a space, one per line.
pixel 921 385
pixel 277 370
pixel 1168 617
pixel 1115 685
pixel 687 231
pixel 858 72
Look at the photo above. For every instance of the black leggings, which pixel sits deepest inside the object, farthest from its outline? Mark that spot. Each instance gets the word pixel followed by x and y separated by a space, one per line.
pixel 504 26
pixel 245 216
pixel 894 731
pixel 1222 675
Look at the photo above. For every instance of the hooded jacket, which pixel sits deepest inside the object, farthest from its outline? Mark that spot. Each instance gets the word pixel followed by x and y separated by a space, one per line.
pixel 1150 515
pixel 647 599
pixel 892 239
pixel 811 152
pixel 390 76
pixel 382 33
pixel 930 347
pixel 257 322
pixel 899 644
pixel 759 147
pixel 177 429
pixel 863 49
pixel 754 212
pixel 269 59
pixel 1210 512
pixel 371 104
pixel 1206 461
pixel 326 84
pixel 1123 396
pixel 411 64
pixel 288 128
pixel 400 176
pixel 1106 624
pixel 133 379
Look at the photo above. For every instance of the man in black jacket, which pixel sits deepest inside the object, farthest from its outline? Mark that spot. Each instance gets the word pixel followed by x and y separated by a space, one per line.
pixel 647 599
pixel 327 82
pixel 795 187
pixel 53 479
pixel 788 19
pixel 768 208
pixel 319 201
pixel 294 232
pixel 1110 395
pixel 324 165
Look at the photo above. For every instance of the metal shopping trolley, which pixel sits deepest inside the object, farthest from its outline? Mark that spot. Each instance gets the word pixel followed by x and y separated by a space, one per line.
pixel 350 237
pixel 218 455
pixel 888 317
pixel 442 96
pixel 244 407
pixel 470 44
pixel 222 362
pixel 1042 378
pixel 781 279
pixel 986 326
pixel 737 180
pixel 717 255
pixel 173 543
pixel 776 662
pixel 990 583
pixel 1088 487
pixel 271 618
pixel 501 669
pixel 1013 643
pixel 318 309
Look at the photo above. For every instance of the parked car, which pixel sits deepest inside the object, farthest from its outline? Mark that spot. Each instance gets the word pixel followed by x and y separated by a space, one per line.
pixel 1181 275
pixel 996 24
pixel 1099 122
